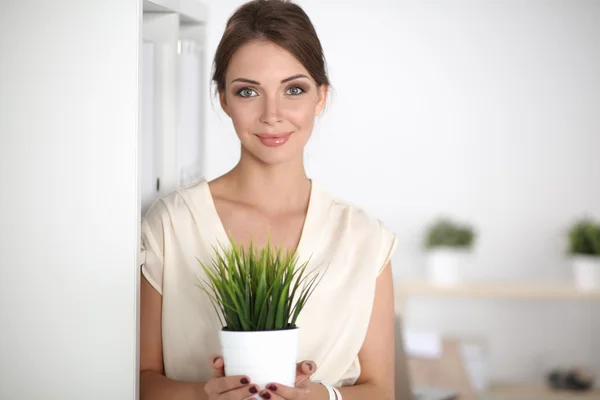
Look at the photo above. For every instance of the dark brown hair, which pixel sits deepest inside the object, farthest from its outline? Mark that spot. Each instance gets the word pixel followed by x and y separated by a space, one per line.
pixel 279 21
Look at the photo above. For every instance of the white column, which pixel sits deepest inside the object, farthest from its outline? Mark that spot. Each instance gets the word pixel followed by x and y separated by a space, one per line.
pixel 69 202
pixel 191 87
pixel 162 29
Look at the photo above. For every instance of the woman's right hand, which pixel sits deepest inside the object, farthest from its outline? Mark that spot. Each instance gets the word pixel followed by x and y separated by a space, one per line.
pixel 221 387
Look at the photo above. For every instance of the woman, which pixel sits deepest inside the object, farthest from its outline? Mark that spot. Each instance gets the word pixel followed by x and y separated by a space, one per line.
pixel 269 71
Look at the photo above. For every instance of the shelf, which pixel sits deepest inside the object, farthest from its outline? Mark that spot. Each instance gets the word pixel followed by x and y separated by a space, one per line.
pixel 495 290
pixel 533 392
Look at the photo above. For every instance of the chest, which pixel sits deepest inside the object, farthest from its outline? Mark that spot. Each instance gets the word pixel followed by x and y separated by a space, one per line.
pixel 247 224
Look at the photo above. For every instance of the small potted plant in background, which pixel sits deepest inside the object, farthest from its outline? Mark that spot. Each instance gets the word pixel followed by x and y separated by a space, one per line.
pixel 584 253
pixel 258 294
pixel 447 244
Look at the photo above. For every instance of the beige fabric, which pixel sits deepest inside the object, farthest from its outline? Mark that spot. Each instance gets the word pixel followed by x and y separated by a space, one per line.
pixel 353 245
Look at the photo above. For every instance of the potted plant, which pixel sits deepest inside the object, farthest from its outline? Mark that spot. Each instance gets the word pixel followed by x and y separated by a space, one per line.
pixel 584 252
pixel 447 243
pixel 258 294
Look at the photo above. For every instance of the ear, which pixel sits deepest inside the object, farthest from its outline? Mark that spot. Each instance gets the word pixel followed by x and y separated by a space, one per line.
pixel 223 101
pixel 322 92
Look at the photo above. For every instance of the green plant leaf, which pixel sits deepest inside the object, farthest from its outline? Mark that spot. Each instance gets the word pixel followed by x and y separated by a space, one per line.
pixel 584 237
pixel 447 233
pixel 257 288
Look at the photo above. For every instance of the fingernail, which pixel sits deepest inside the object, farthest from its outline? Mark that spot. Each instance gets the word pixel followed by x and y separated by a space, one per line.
pixel 266 395
pixel 253 390
pixel 272 388
pixel 309 366
pixel 244 381
pixel 216 359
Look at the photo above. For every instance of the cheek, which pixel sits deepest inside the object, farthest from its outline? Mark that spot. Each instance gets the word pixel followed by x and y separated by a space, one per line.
pixel 302 113
pixel 242 115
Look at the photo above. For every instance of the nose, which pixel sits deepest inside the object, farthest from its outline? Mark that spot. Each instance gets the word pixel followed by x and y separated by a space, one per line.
pixel 271 112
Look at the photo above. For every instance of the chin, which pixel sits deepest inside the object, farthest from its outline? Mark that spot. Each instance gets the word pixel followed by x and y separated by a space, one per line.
pixel 273 156
pixel 285 153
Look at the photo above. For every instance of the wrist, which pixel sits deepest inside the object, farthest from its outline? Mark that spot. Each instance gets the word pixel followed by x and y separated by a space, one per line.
pixel 318 392
pixel 199 392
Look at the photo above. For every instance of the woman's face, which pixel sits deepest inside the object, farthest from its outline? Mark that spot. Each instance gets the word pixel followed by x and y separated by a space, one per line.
pixel 272 101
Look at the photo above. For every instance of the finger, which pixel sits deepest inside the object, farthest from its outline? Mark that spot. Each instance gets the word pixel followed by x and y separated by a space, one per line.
pixel 267 395
pixel 306 367
pixel 218 366
pixel 227 384
pixel 240 393
pixel 220 383
pixel 285 392
pixel 304 371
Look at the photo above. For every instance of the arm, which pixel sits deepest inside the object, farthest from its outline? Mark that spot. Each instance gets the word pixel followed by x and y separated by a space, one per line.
pixel 154 385
pixel 377 355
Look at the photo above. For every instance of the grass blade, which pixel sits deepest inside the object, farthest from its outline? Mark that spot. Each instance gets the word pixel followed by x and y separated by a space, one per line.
pixel 257 288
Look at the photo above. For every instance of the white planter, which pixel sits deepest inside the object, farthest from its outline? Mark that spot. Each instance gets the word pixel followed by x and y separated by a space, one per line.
pixel 445 265
pixel 586 272
pixel 264 356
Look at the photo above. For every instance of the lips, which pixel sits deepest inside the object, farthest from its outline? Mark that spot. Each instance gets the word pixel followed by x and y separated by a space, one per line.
pixel 273 135
pixel 274 139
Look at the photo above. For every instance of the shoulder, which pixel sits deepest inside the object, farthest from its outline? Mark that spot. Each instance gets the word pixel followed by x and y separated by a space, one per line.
pixel 180 203
pixel 358 221
pixel 356 216
pixel 361 232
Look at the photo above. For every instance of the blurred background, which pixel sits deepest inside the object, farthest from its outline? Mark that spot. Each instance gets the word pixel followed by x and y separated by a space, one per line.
pixel 470 128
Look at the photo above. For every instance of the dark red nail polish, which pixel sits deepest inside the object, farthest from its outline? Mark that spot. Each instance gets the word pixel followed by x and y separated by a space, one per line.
pixel 266 396
pixel 244 381
pixel 272 388
pixel 253 390
pixel 215 360
pixel 309 366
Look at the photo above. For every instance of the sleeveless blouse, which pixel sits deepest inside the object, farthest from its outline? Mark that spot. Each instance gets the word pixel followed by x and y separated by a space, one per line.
pixel 182 227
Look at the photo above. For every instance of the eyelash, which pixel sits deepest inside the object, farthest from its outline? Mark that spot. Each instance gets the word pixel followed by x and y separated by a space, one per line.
pixel 240 91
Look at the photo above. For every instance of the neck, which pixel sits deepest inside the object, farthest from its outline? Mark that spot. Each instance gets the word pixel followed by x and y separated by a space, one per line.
pixel 277 188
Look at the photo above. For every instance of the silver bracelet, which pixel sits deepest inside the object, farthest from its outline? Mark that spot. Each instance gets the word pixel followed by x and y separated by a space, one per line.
pixel 334 393
pixel 337 393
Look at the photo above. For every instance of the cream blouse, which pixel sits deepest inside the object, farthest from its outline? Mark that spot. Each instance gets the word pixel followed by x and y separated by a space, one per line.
pixel 354 246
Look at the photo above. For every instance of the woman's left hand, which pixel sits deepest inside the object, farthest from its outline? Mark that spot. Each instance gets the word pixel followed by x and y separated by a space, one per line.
pixel 301 391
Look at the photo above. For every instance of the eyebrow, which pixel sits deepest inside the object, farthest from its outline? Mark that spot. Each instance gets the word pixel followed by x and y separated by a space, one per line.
pixel 252 82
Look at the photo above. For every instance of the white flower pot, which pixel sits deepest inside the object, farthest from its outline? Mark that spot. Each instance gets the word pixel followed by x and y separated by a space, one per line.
pixel 586 272
pixel 264 356
pixel 445 265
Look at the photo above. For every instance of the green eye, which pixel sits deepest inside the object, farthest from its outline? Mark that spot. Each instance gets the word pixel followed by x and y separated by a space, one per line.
pixel 246 92
pixel 295 91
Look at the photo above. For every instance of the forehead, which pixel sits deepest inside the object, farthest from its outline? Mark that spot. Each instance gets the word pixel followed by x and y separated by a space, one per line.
pixel 262 60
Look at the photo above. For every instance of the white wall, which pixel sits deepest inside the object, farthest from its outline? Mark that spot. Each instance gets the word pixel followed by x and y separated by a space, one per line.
pixel 485 111
pixel 69 201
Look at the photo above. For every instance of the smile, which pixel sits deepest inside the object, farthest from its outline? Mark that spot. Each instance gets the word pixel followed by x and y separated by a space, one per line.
pixel 274 139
